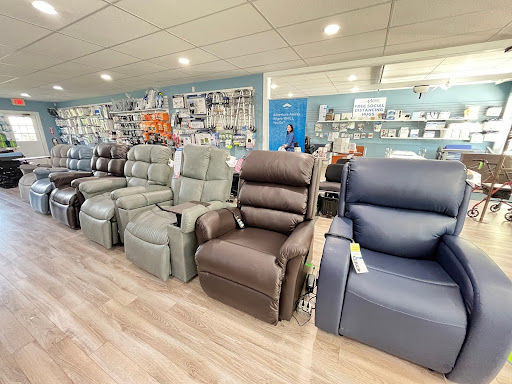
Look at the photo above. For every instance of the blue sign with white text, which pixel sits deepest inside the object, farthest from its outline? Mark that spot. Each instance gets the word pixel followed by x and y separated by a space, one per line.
pixel 283 112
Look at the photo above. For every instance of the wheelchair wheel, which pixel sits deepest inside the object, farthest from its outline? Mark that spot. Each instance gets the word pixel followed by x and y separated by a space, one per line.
pixel 473 212
pixel 508 216
pixel 495 207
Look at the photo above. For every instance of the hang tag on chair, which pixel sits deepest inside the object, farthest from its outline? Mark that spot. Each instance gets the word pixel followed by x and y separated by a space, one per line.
pixel 357 258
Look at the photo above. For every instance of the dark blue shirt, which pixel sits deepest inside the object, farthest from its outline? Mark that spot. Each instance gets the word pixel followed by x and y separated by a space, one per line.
pixel 290 142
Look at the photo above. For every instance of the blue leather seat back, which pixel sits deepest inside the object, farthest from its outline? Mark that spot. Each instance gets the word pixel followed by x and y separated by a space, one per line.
pixel 403 217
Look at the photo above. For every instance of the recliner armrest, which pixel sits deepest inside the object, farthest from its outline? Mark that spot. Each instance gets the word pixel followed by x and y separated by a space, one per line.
pixel 215 223
pixel 101 185
pixel 189 216
pixel 298 243
pixel 487 293
pixel 64 179
pixel 144 199
pixel 44 173
pixel 127 191
pixel 333 276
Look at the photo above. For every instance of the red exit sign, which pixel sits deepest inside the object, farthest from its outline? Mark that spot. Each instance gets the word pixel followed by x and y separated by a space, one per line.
pixel 19 102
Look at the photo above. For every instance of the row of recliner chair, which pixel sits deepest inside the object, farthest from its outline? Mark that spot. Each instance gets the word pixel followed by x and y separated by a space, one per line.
pixel 429 296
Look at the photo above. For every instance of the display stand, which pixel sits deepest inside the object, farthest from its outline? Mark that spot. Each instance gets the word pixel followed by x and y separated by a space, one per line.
pixel 85 124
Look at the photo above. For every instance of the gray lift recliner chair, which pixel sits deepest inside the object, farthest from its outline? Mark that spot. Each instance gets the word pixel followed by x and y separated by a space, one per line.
pixel 147 174
pixel 78 159
pixel 156 240
pixel 429 297
pixel 58 157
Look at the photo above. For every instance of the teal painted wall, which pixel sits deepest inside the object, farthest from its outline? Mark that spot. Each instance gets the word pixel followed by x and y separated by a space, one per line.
pixel 453 100
pixel 41 107
pixel 255 81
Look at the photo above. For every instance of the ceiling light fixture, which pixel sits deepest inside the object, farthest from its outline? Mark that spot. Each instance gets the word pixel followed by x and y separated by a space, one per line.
pixel 446 85
pixel 25 95
pixel 58 87
pixel 43 6
pixel 352 78
pixel 106 77
pixel 332 29
pixel 184 60
pixel 355 89
pixel 290 94
pixel 273 86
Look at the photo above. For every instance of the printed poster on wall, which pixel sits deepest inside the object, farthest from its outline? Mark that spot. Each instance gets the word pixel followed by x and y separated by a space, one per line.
pixel 369 107
pixel 283 112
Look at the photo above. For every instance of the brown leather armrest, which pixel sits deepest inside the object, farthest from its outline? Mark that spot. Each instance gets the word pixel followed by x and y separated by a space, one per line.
pixel 215 223
pixel 298 243
pixel 64 179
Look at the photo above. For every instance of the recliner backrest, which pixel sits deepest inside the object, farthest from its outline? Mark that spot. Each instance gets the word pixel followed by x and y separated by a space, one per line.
pixel 59 155
pixel 109 159
pixel 79 158
pixel 278 190
pixel 333 172
pixel 148 165
pixel 204 175
pixel 403 207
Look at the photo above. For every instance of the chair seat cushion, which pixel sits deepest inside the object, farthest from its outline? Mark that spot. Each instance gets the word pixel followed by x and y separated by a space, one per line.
pixel 100 207
pixel 151 226
pixel 42 186
pixel 65 196
pixel 330 186
pixel 28 179
pixel 408 307
pixel 246 257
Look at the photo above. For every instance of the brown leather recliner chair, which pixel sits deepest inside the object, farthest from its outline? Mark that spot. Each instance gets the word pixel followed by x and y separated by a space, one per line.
pixel 259 269
pixel 108 159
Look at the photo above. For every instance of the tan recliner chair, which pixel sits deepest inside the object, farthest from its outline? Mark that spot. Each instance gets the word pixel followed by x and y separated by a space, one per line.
pixel 259 269
pixel 147 175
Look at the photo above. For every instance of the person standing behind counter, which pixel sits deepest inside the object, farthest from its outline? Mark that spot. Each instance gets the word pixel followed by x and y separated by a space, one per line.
pixel 290 139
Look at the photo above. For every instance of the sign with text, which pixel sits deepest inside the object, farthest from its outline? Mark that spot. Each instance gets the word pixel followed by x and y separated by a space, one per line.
pixel 283 112
pixel 368 108
pixel 19 102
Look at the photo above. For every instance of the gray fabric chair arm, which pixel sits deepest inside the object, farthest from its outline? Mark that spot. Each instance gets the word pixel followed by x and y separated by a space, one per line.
pixel 333 276
pixel 44 173
pixel 215 223
pixel 190 215
pixel 118 193
pixel 487 293
pixel 298 243
pixel 144 199
pixel 97 186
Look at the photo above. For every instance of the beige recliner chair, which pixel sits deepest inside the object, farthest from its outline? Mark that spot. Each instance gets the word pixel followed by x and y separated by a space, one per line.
pixel 147 175
pixel 58 158
pixel 162 241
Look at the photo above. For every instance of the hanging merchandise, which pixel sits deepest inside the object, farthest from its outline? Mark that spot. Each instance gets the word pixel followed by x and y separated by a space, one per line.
pixel 7 139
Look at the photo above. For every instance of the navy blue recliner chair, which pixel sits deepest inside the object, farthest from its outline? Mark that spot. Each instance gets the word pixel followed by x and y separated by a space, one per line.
pixel 429 296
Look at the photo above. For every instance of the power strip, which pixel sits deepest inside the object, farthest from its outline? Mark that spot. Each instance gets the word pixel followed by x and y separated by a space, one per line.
pixel 305 306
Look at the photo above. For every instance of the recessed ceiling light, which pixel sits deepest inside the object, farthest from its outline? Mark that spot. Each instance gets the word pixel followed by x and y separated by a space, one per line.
pixel 58 87
pixel 352 78
pixel 273 86
pixel 106 77
pixel 43 6
pixel 355 89
pixel 25 95
pixel 290 94
pixel 184 60
pixel 332 29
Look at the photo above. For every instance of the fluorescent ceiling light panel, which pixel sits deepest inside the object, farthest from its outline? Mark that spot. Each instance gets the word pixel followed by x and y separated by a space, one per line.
pixel 58 87
pixel 106 77
pixel 352 78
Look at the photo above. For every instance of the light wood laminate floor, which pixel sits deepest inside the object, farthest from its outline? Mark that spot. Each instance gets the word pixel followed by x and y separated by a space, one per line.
pixel 73 312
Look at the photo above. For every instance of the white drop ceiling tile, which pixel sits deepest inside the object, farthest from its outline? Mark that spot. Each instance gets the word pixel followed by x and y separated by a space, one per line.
pixel 352 23
pixel 408 72
pixel 169 74
pixel 106 58
pixel 45 77
pixel 443 28
pixel 67 11
pixel 17 34
pixel 30 60
pixel 156 44
pixel 265 58
pixel 286 12
pixel 258 42
pixel 208 68
pixel 22 82
pixel 140 68
pixel 276 67
pixel 416 11
pixel 484 56
pixel 436 43
pixel 62 47
pixel 225 25
pixel 14 70
pixel 360 73
pixel 306 83
pixel 196 56
pixel 505 33
pixel 224 74
pixel 5 50
pixel 167 13
pixel 413 64
pixel 347 56
pixel 71 68
pixel 4 78
pixel 307 76
pixel 110 26
pixel 399 79
pixel 359 42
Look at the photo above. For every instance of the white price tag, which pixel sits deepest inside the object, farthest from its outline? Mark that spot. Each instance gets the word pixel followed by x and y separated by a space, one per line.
pixel 177 163
pixel 357 258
